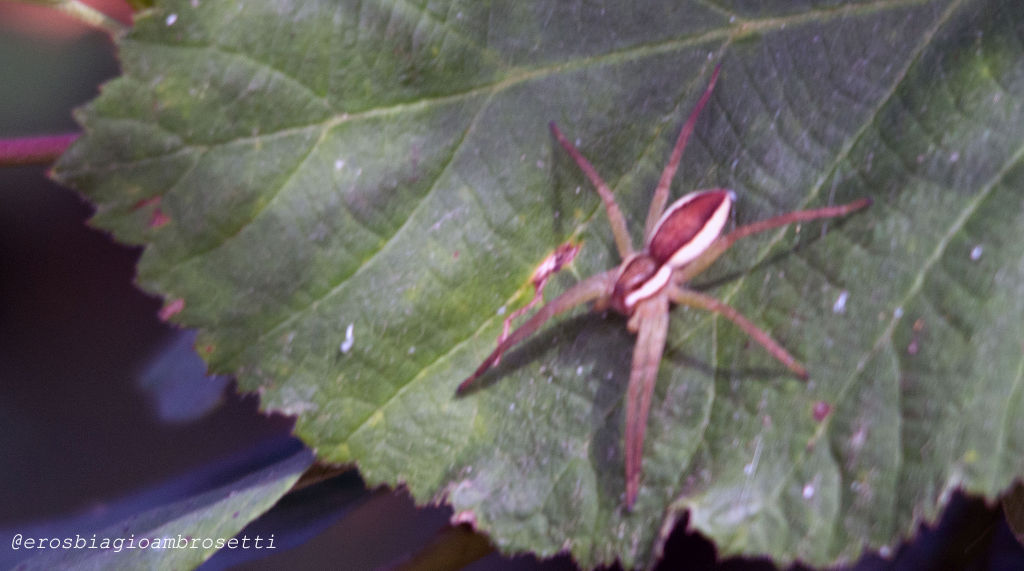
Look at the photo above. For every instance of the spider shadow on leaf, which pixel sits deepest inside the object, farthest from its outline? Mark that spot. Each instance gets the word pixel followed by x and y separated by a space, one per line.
pixel 561 344
pixel 685 360
pixel 778 255
pixel 588 354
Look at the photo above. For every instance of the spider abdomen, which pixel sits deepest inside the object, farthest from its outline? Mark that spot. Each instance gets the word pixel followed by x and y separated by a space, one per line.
pixel 689 226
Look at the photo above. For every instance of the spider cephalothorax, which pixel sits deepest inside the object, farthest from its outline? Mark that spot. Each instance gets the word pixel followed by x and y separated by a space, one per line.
pixel 679 243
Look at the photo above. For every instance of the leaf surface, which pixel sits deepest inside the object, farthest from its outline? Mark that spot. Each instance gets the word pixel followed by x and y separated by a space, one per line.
pixel 346 199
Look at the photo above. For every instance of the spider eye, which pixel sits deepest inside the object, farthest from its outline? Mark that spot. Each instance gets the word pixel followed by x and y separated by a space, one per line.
pixel 689 226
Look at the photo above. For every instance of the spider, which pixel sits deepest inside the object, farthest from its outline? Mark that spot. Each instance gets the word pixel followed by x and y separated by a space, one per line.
pixel 680 242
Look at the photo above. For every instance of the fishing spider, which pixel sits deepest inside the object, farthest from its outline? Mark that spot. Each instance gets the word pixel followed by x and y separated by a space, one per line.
pixel 679 243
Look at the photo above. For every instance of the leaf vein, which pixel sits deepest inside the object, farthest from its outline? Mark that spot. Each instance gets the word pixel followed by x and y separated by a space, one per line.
pixel 341 282
pixel 256 63
pixel 844 153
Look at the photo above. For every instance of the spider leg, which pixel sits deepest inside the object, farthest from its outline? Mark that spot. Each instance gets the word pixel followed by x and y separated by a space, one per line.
pixel 661 191
pixel 615 218
pixel 719 246
pixel 589 289
pixel 507 326
pixel 652 326
pixel 692 298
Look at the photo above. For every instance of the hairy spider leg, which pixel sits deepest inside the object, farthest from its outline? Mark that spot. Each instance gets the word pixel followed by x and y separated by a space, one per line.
pixel 651 319
pixel 684 296
pixel 718 247
pixel 589 289
pixel 622 240
pixel 660 197
pixel 688 297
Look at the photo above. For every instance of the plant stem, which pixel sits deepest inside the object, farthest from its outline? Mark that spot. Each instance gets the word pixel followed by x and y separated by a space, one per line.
pixel 34 150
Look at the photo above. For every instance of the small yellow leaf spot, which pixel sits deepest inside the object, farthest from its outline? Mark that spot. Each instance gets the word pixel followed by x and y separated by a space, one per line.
pixel 375 419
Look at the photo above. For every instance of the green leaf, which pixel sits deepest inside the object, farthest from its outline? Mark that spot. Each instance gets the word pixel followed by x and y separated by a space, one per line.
pixel 346 198
pixel 180 535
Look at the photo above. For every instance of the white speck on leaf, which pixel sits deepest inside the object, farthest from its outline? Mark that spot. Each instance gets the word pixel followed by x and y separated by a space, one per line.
pixel 976 252
pixel 502 310
pixel 954 157
pixel 840 305
pixel 171 19
pixel 339 164
pixel 579 370
pixel 808 491
pixel 412 349
pixel 443 219
pixel 350 339
pixel 897 313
